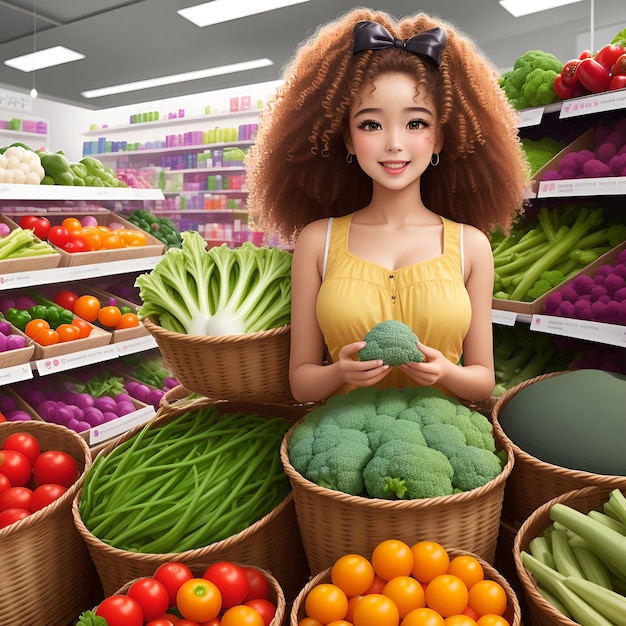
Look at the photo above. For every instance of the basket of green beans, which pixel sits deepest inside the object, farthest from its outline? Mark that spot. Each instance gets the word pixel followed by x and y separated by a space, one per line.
pixel 202 481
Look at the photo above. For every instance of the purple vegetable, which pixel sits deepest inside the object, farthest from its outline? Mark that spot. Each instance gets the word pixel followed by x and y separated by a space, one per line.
pixel 130 386
pixel 583 284
pixel 109 416
pixel 6 303
pixel 598 310
pixel 93 416
pixel 4 229
pixel 84 400
pixel 124 408
pixel 597 291
pixel 582 309
pixel 82 427
pixel 620 269
pixel 17 416
pixel 604 270
pixel 552 303
pixel 46 409
pixel 613 282
pixel 3 343
pixel 5 328
pixel 63 415
pixel 73 424
pixel 105 403
pixel 169 383
pixel 620 295
pixel 77 412
pixel 7 403
pixel 568 293
pixel 142 393
pixel 69 397
pixel 155 396
pixel 24 302
pixel 123 397
pixel 16 342
pixel 566 309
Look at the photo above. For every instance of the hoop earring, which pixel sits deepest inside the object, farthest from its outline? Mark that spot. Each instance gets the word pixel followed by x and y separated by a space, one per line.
pixel 434 160
pixel 349 158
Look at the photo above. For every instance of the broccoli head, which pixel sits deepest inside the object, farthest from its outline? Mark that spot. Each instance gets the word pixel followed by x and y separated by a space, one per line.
pixel 524 86
pixel 402 470
pixel 393 342
pixel 473 467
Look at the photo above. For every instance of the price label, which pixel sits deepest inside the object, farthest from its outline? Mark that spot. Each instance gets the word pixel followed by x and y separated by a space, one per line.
pixel 136 345
pixel 530 117
pixel 606 186
pixel 505 318
pixel 120 425
pixel 74 360
pixel 594 103
pixel 598 332
pixel 16 373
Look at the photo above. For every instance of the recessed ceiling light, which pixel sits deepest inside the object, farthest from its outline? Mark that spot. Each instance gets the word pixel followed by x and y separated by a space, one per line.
pixel 219 11
pixel 44 58
pixel 517 8
pixel 177 78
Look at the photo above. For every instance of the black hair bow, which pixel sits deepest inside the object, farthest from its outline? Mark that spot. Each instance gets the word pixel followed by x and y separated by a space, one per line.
pixel 373 36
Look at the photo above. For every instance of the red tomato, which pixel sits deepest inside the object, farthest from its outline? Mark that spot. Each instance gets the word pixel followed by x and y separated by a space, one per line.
pixel 45 495
pixel 66 299
pixel 593 75
pixel 10 516
pixel 38 224
pixel 565 91
pixel 87 307
pixel 55 466
pixel 258 587
pixel 151 595
pixel 76 244
pixel 5 483
pixel 58 235
pixel 608 54
pixel 25 443
pixel 264 608
pixel 199 599
pixel 620 66
pixel 160 621
pixel 16 498
pixel 120 610
pixel 568 72
pixel 16 467
pixel 173 574
pixel 230 579
pixel 618 82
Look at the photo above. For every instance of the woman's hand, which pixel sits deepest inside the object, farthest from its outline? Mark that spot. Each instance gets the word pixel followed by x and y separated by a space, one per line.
pixel 430 370
pixel 359 373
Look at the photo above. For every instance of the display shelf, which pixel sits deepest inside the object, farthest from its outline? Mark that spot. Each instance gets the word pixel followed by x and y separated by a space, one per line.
pixel 207 170
pixel 174 150
pixel 66 193
pixel 607 186
pixel 21 136
pixel 211 192
pixel 17 280
pixel 177 121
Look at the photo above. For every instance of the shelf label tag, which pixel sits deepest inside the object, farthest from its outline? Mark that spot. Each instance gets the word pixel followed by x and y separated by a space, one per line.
pixel 598 332
pixel 530 117
pixel 15 373
pixel 101 433
pixel 506 318
pixel 594 103
pixel 136 345
pixel 74 360
pixel 606 186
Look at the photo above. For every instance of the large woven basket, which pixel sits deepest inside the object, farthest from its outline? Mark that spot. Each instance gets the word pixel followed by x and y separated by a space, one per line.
pixel 276 594
pixel 272 543
pixel 541 612
pixel 533 481
pixel 512 613
pixel 250 367
pixel 47 541
pixel 333 523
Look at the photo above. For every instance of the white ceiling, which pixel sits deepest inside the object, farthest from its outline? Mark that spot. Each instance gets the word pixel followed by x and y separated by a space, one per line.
pixel 126 41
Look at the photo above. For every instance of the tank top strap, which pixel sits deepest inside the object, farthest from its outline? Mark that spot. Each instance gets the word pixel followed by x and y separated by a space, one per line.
pixel 336 240
pixel 453 244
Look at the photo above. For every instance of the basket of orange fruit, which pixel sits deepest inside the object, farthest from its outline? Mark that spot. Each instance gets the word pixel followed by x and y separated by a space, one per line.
pixel 423 584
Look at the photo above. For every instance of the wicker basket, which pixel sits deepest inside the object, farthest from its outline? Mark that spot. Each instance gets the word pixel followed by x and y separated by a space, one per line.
pixel 272 543
pixel 333 523
pixel 584 500
pixel 512 613
pixel 532 481
pixel 47 540
pixel 251 367
pixel 276 593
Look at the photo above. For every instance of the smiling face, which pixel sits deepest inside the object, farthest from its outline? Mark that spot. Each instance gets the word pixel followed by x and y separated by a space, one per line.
pixel 393 131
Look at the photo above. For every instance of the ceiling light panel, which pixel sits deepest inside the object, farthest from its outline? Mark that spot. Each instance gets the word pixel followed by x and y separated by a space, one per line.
pixel 58 55
pixel 177 78
pixel 518 8
pixel 219 11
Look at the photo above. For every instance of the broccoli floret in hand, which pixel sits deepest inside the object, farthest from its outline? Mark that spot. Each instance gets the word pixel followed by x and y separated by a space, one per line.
pixel 393 342
pixel 401 470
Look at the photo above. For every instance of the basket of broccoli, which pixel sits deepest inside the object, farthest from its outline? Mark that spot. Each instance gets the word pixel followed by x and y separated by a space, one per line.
pixel 412 463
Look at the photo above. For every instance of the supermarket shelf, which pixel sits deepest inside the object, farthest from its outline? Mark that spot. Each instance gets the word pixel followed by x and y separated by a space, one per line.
pixel 17 280
pixel 64 193
pixel 607 186
pixel 210 192
pixel 190 148
pixel 75 360
pixel 207 170
pixel 172 122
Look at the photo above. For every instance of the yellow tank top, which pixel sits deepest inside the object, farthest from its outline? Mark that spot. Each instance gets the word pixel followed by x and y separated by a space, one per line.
pixel 429 296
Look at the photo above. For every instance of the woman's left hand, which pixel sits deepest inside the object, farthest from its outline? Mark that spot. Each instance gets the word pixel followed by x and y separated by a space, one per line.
pixel 429 371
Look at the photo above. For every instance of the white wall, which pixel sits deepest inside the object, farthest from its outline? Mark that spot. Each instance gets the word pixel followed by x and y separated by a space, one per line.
pixel 66 123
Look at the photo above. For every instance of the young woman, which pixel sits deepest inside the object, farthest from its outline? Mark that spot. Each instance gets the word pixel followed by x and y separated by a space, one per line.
pixel 388 155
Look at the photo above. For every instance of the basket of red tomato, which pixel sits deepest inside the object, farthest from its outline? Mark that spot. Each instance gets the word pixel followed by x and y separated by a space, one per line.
pixel 42 466
pixel 222 593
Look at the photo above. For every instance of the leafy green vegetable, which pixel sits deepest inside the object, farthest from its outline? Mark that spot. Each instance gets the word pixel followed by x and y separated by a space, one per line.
pixel 89 618
pixel 220 291
pixel 104 385
pixel 160 227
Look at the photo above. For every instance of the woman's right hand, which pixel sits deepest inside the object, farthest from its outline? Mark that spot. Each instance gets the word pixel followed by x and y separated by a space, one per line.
pixel 359 373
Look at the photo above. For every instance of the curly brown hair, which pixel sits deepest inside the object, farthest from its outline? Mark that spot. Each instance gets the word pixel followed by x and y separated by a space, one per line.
pixel 297 169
